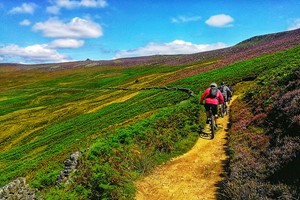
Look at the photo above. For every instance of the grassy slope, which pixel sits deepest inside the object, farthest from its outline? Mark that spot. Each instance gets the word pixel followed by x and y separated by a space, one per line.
pixel 43 124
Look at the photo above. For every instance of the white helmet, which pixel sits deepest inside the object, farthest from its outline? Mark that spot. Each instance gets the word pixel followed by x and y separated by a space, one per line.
pixel 213 84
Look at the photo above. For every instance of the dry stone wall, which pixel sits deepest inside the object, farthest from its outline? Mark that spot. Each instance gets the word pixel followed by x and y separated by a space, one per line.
pixel 186 90
pixel 18 190
pixel 71 165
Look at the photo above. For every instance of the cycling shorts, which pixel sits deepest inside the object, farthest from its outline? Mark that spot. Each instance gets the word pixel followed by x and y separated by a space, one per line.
pixel 214 108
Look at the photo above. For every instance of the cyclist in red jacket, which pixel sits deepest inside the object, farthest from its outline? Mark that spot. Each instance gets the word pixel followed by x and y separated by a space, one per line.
pixel 213 97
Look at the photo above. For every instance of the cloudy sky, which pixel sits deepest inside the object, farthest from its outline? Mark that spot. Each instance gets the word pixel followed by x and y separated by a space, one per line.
pixel 43 31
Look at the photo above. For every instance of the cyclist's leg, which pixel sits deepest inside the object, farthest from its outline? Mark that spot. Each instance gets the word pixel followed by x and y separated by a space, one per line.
pixel 215 112
pixel 227 107
pixel 223 109
pixel 225 102
pixel 207 107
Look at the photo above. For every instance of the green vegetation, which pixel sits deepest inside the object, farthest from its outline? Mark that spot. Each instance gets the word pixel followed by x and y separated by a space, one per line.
pixel 45 116
pixel 113 162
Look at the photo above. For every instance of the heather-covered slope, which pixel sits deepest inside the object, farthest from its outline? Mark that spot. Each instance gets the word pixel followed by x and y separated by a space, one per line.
pixel 264 142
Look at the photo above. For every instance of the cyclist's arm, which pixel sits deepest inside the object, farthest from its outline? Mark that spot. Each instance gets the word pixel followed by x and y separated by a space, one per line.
pixel 205 93
pixel 228 90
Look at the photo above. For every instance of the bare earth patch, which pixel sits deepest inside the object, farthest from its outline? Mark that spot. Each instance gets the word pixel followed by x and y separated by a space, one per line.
pixel 192 176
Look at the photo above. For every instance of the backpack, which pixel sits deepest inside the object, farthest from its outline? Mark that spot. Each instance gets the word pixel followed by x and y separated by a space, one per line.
pixel 213 92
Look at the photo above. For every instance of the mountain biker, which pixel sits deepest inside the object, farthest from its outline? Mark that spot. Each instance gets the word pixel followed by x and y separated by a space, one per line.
pixel 231 94
pixel 226 92
pixel 212 100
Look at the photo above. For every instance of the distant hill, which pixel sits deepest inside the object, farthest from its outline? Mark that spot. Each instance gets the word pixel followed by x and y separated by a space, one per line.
pixel 250 48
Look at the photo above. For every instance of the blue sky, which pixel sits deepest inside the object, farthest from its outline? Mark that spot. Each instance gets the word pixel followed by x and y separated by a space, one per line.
pixel 43 31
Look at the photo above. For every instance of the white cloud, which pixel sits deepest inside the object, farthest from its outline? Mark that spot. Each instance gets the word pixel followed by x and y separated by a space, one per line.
pixel 183 19
pixel 27 8
pixel 33 53
pixel 93 3
pixel 66 43
pixel 220 20
pixel 53 10
pixel 295 24
pixel 76 28
pixel 25 22
pixel 175 47
pixel 72 4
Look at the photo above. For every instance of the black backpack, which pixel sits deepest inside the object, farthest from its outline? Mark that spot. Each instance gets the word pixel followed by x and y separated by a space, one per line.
pixel 213 92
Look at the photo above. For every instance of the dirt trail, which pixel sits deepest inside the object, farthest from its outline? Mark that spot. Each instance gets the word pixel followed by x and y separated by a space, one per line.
pixel 192 176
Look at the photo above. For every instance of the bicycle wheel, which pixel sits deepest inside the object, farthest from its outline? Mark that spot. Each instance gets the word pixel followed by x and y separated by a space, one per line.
pixel 212 126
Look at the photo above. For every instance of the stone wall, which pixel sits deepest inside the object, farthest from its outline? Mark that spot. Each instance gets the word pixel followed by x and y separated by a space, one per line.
pixel 71 165
pixel 186 90
pixel 18 190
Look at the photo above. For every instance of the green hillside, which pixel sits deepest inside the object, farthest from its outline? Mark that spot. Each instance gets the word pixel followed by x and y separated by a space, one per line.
pixel 121 118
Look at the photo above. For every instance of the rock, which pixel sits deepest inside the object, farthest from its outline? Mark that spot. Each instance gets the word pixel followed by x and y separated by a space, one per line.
pixel 75 155
pixel 68 162
pixel 1 193
pixel 71 165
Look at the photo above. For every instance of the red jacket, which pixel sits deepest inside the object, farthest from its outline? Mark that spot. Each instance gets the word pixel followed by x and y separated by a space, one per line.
pixel 215 101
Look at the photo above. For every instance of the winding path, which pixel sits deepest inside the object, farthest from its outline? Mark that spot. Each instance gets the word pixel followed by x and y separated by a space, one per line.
pixel 194 175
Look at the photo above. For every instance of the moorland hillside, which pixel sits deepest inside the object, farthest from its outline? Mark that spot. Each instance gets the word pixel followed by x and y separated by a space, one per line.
pixel 126 116
pixel 250 48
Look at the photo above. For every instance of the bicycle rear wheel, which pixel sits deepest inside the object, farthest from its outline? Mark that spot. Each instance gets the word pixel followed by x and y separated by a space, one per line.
pixel 212 126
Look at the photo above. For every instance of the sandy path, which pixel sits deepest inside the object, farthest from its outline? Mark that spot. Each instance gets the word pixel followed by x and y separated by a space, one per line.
pixel 192 176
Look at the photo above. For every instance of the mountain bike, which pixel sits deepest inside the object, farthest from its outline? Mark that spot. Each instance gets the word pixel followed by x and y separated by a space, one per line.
pixel 222 109
pixel 212 123
pixel 212 126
